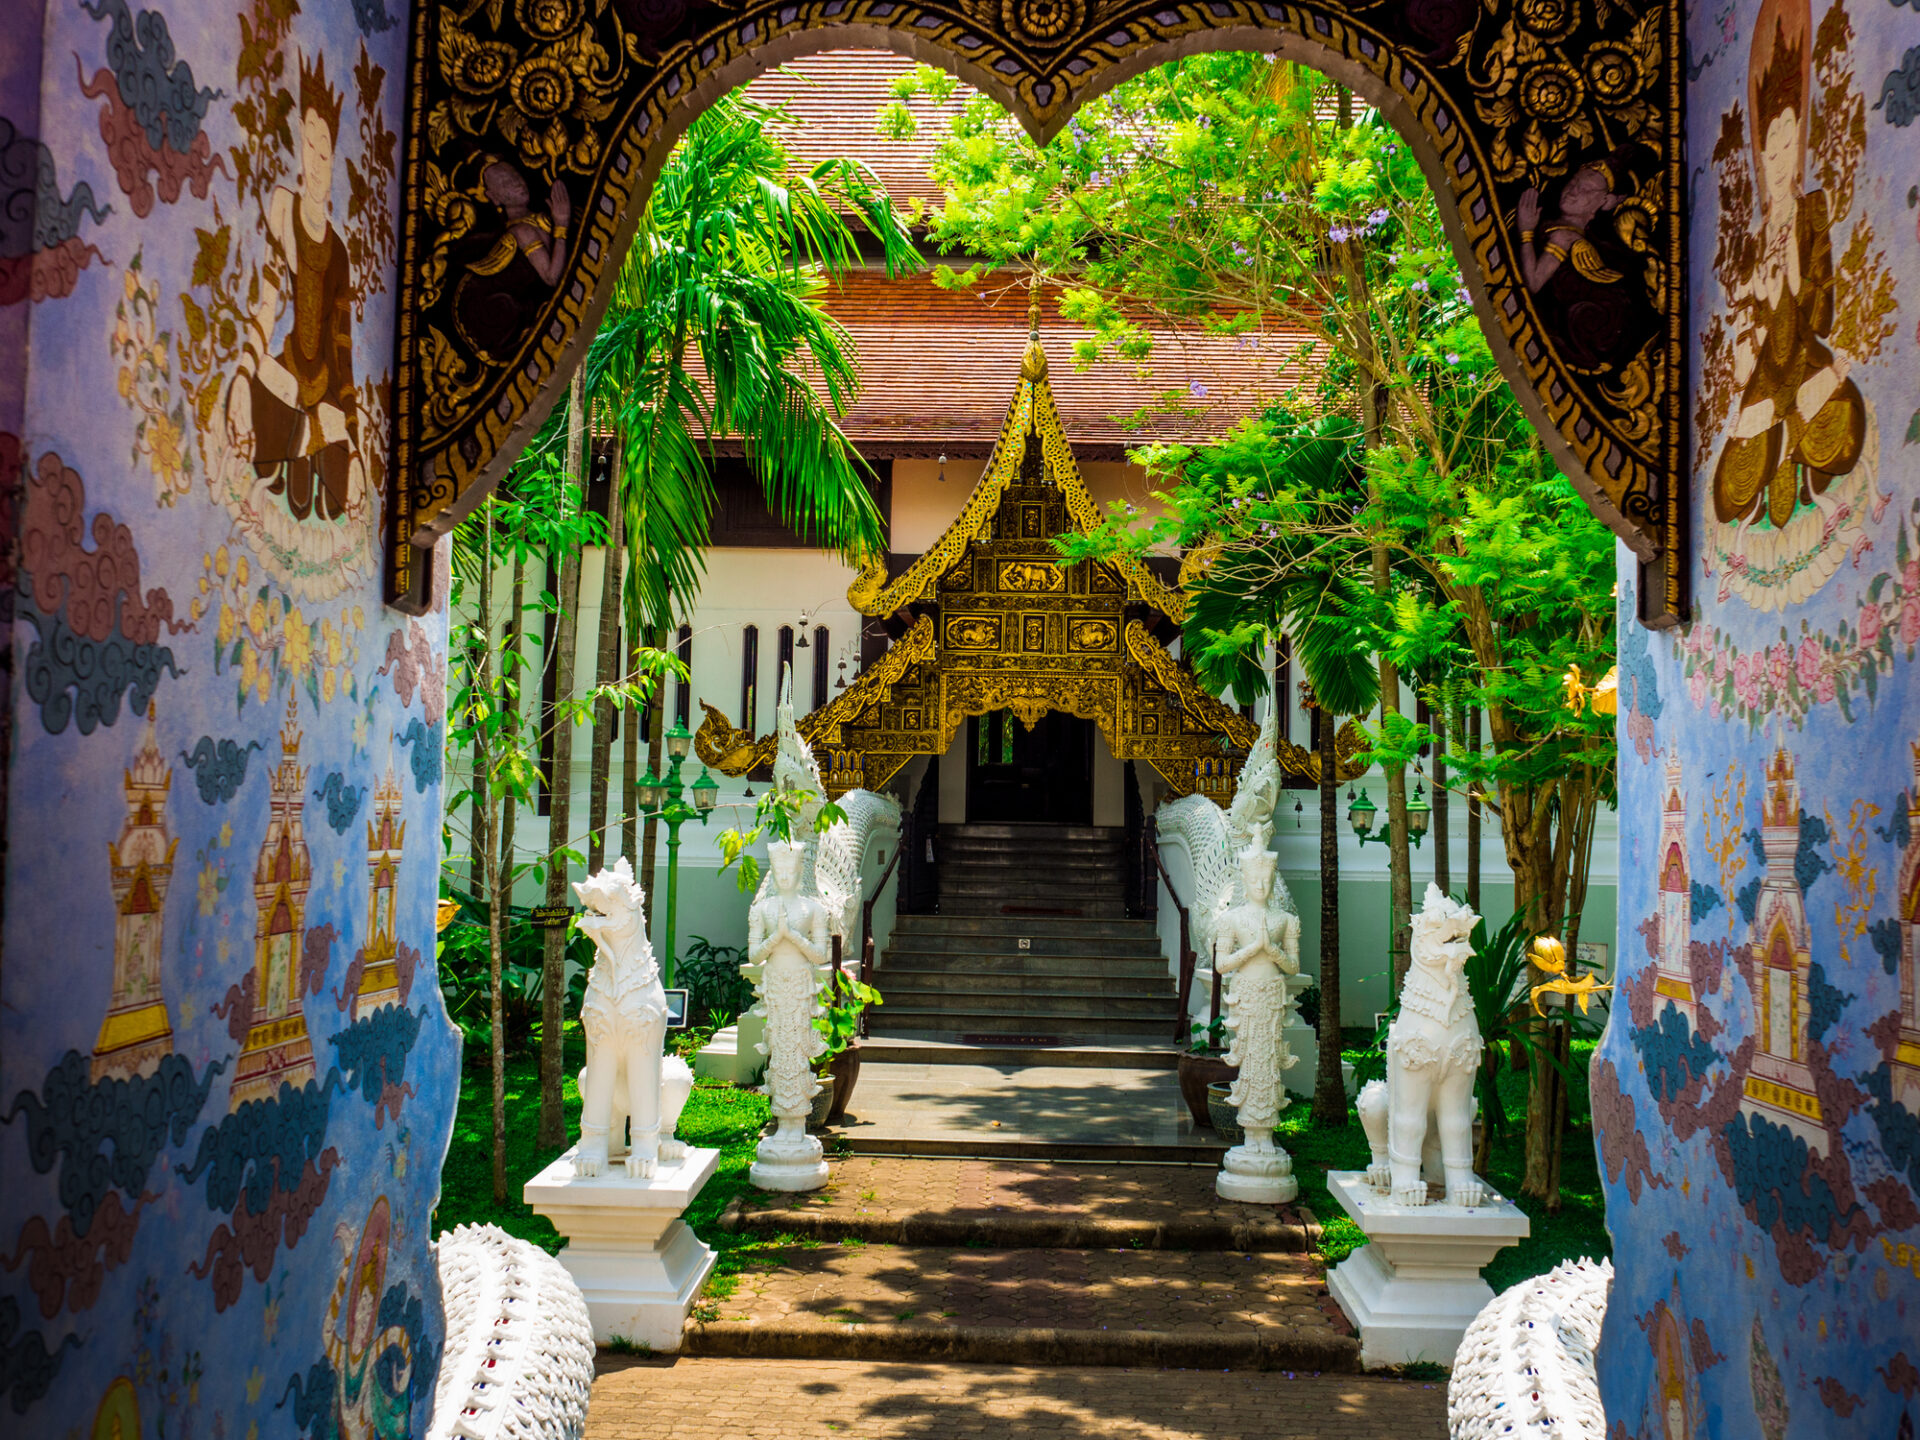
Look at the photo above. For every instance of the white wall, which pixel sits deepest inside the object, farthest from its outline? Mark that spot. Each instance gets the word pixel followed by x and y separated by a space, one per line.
pixel 769 588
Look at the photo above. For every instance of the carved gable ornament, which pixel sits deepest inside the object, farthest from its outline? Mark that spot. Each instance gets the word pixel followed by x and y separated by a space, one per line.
pixel 995 623
pixel 535 127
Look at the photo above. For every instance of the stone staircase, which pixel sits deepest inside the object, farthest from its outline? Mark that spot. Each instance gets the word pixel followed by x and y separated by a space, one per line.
pixel 1031 939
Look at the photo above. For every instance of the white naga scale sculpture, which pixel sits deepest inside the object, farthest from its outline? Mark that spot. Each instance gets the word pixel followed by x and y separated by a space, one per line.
pixel 1525 1368
pixel 1215 839
pixel 627 1076
pixel 833 863
pixel 518 1363
pixel 1419 1120
pixel 810 894
pixel 1257 949
pixel 788 962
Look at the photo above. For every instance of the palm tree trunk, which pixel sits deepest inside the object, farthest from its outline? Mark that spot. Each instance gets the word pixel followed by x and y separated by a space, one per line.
pixel 511 679
pixel 1442 856
pixel 488 869
pixel 607 673
pixel 1473 820
pixel 1329 1085
pixel 1399 855
pixel 656 733
pixel 478 668
pixel 630 761
pixel 553 968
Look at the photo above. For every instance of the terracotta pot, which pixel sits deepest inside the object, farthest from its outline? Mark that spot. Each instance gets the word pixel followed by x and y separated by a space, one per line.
pixel 844 1070
pixel 1196 1072
pixel 1225 1117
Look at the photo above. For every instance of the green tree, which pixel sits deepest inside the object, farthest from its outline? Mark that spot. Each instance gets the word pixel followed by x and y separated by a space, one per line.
pixel 1252 198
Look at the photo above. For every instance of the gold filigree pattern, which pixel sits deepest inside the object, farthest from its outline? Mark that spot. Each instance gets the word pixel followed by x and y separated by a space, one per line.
pixel 1517 106
pixel 1006 642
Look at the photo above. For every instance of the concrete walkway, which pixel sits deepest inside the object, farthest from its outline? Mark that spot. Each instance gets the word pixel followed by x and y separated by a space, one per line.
pixel 1005 1204
pixel 723 1399
pixel 903 1108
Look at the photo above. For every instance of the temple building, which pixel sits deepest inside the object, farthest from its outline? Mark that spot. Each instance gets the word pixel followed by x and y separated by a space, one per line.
pixel 1780 1084
pixel 278 1050
pixel 136 1032
pixel 966 673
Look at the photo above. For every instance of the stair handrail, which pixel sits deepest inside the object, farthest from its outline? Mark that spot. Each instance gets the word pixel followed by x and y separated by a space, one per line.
pixel 866 927
pixel 1187 956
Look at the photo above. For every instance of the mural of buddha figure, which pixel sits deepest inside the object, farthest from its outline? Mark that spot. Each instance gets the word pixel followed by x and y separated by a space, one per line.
pixel 1801 421
pixel 293 410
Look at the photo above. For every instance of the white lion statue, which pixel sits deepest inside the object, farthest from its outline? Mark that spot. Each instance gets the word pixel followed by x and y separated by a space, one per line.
pixel 628 1076
pixel 1425 1105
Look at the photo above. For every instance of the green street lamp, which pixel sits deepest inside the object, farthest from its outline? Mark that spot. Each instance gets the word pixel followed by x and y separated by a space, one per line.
pixel 1361 813
pixel 665 800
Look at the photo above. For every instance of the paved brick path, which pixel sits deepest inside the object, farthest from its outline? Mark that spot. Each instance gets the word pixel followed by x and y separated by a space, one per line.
pixel 1027 1203
pixel 718 1399
pixel 1116 1307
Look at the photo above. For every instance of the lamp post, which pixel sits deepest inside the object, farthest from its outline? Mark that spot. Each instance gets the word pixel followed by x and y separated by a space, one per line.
pixel 1360 814
pixel 665 800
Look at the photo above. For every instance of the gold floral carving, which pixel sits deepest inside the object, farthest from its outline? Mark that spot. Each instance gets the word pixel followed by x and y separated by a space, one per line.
pixel 1501 98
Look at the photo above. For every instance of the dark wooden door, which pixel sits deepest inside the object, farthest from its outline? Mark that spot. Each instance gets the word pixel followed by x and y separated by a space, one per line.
pixel 1038 776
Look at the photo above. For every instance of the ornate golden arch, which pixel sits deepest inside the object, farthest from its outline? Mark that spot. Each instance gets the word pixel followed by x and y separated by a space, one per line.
pixel 1495 96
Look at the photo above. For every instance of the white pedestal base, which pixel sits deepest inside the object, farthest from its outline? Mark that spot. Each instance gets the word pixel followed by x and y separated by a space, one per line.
pixel 636 1262
pixel 1416 1287
pixel 1256 1179
pixel 788 1162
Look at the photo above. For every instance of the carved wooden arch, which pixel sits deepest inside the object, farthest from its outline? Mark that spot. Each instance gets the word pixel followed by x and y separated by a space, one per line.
pixel 1494 96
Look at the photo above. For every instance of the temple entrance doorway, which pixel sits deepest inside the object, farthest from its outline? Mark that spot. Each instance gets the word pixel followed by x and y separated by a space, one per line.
pixel 1041 774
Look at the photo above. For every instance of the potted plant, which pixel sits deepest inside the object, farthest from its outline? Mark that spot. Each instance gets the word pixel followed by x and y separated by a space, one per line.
pixel 838 1066
pixel 1202 1064
pixel 1223 1114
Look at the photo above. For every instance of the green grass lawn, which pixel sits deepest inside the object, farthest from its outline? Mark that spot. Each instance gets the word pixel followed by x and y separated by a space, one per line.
pixel 731 1119
pixel 721 1116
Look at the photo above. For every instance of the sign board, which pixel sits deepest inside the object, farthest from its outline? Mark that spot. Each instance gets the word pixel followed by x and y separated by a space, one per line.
pixel 676 1009
pixel 550 917
pixel 1592 955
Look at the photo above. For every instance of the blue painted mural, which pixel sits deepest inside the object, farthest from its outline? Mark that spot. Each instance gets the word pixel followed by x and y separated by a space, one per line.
pixel 226 1077
pixel 1757 1096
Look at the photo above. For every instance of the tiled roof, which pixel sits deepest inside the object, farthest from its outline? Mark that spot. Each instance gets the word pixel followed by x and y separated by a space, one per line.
pixel 836 97
pixel 937 368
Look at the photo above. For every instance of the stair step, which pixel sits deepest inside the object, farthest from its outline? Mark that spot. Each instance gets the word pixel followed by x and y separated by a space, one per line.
pixel 907 979
pixel 1102 1051
pixel 972 1021
pixel 1095 964
pixel 1038 946
pixel 1034 834
pixel 1032 907
pixel 1036 1007
pixel 1149 1308
pixel 1034 926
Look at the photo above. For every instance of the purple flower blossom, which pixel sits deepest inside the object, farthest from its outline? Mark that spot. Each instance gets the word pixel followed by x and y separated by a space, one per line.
pixel 1199 391
pixel 1452 359
pixel 1419 285
pixel 1338 234
pixel 1378 217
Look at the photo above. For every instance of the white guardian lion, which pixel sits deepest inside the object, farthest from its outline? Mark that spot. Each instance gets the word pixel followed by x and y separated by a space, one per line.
pixel 1433 1056
pixel 627 1076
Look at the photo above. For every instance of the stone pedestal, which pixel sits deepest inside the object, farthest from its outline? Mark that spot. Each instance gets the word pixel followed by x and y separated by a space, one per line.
pixel 788 1159
pixel 1416 1287
pixel 1255 1178
pixel 636 1262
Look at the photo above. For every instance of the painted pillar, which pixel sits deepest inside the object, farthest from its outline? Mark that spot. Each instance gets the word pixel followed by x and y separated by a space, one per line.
pixel 227 1075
